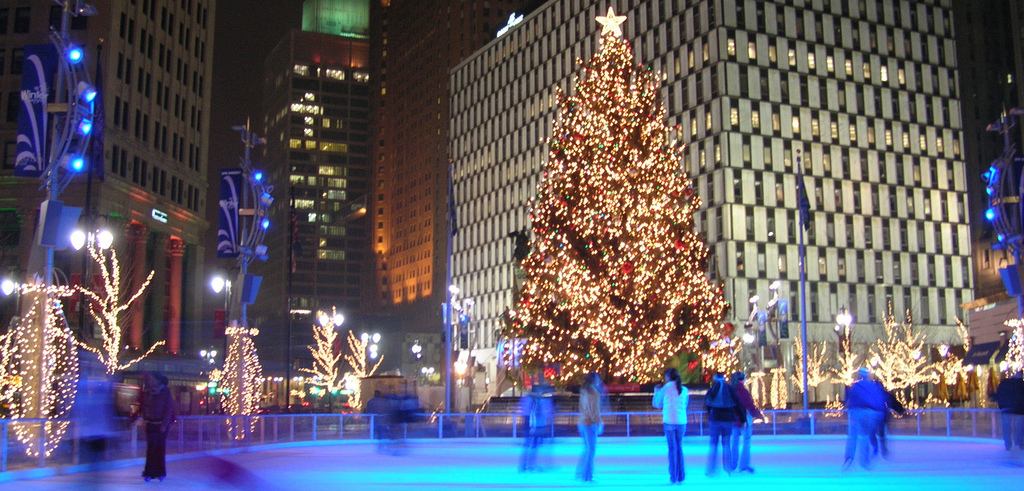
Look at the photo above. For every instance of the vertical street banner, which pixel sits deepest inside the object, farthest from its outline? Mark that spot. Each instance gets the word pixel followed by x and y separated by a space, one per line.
pixel 227 228
pixel 31 148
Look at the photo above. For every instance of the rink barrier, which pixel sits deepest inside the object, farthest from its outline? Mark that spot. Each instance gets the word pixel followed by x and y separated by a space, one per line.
pixel 196 435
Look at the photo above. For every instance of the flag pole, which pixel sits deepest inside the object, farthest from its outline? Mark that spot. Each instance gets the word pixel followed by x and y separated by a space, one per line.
pixel 804 206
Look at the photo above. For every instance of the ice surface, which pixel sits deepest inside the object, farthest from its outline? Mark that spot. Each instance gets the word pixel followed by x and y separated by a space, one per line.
pixel 783 462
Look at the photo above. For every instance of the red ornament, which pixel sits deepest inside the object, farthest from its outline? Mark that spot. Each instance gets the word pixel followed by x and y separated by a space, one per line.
pixel 627 267
pixel 679 244
pixel 689 191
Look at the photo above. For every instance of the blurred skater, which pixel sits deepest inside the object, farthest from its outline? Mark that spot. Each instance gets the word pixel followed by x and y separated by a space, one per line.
pixel 865 410
pixel 93 412
pixel 590 424
pixel 379 407
pixel 1010 398
pixel 537 406
pixel 723 414
pixel 745 426
pixel 672 397
pixel 158 412
pixel 880 440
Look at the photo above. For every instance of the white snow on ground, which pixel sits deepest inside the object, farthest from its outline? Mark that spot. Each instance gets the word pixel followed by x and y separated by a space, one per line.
pixel 784 462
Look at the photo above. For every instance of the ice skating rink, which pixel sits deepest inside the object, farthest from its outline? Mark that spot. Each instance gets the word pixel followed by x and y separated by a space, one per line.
pixel 781 462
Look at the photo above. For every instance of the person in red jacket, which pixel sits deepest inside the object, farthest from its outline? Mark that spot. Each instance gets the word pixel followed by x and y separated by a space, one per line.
pixel 744 427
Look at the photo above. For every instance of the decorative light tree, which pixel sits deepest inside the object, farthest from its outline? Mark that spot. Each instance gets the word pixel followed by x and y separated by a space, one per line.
pixel 326 361
pixel 899 359
pixel 356 358
pixel 1015 351
pixel 615 280
pixel 106 308
pixel 817 363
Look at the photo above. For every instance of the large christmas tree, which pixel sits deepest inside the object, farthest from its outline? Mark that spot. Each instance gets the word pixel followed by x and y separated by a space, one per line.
pixel 615 281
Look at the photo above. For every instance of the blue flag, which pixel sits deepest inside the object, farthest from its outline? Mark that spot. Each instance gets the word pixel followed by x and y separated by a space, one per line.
pixel 36 79
pixel 804 204
pixel 99 120
pixel 227 229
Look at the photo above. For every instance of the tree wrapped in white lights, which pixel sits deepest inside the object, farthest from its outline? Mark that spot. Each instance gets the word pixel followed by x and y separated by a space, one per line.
pixel 817 363
pixel 899 359
pixel 41 368
pixel 107 306
pixel 326 361
pixel 615 281
pixel 243 376
pixel 1015 348
pixel 361 368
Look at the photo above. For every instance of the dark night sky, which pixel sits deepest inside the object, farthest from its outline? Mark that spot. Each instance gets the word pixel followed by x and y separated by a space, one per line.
pixel 245 32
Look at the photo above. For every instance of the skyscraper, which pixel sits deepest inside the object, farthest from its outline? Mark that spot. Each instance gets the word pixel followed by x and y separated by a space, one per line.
pixel 859 99
pixel 316 123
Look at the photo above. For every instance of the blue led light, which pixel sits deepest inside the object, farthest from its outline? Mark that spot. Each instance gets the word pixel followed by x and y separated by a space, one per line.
pixel 265 224
pixel 258 176
pixel 74 54
pixel 990 214
pixel 76 163
pixel 85 127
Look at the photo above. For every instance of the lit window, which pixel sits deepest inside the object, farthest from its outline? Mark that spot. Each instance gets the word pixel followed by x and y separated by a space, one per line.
pixel 867 71
pixel 810 61
pixel 330 255
pixel 294 143
pixel 330 170
pixel 776 122
pixel 689 59
pixel 755 119
pixel 939 146
pixel 815 127
pixel 849 67
pixel 834 130
pixel 335 74
pixel 301 70
pixel 310 144
pixel 734 116
pixel 361 77
pixel 334 147
pixel 693 127
pixel 773 54
pixel 306 108
pixel 731 47
pixel 707 121
pixel 883 73
pixel 327 122
pixel 923 142
pixel 871 135
pixel 853 132
pixel 705 53
pixel 307 132
pixel 792 57
pixel 888 138
pixel 906 140
pixel 309 96
pixel 830 64
pixel 901 76
pixel 752 50
pixel 796 125
pixel 304 204
pixel 308 120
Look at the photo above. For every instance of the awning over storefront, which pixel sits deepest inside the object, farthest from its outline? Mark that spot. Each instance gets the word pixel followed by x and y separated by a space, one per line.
pixel 983 353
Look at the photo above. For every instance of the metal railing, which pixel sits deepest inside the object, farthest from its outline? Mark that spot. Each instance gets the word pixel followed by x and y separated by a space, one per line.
pixel 199 434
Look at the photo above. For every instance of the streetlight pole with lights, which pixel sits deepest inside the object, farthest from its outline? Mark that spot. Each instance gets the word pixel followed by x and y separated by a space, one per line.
pixel 842 328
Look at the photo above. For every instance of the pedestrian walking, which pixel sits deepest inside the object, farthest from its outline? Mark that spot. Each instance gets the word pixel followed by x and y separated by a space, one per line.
pixel 158 412
pixel 723 414
pixel 537 407
pixel 1010 398
pixel 865 410
pixel 590 425
pixel 672 398
pixel 740 441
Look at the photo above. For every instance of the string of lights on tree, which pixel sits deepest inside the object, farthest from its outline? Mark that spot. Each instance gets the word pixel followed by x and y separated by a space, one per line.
pixel 106 308
pixel 43 370
pixel 817 363
pixel 361 368
pixel 243 375
pixel 1015 348
pixel 326 361
pixel 615 281
pixel 899 359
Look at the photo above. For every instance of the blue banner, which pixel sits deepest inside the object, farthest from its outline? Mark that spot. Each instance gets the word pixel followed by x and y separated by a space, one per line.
pixel 31 151
pixel 227 229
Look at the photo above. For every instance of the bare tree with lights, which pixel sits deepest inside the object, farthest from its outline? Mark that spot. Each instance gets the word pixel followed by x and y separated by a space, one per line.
pixel 615 282
pixel 817 363
pixel 899 359
pixel 361 368
pixel 326 361
pixel 106 308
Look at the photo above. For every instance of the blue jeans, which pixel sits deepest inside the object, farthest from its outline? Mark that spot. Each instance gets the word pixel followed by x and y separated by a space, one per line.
pixel 741 458
pixel 534 439
pixel 1013 430
pixel 862 424
pixel 585 467
pixel 674 435
pixel 719 431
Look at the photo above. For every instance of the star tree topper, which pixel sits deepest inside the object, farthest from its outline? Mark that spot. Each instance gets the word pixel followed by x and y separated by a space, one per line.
pixel 611 22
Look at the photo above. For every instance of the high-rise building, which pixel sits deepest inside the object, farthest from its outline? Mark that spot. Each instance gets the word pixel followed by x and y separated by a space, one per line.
pixel 149 188
pixel 859 99
pixel 316 126
pixel 415 45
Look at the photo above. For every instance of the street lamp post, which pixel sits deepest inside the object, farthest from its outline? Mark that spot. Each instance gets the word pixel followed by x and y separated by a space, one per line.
pixel 842 328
